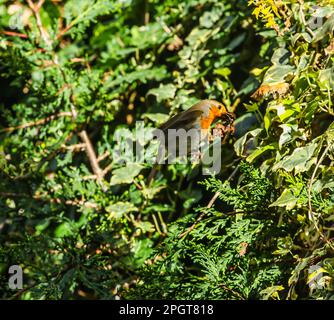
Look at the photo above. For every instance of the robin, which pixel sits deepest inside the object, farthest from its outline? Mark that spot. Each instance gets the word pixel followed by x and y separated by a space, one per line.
pixel 198 118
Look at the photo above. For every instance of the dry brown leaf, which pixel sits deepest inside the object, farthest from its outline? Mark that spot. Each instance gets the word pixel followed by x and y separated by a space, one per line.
pixel 243 248
pixel 279 89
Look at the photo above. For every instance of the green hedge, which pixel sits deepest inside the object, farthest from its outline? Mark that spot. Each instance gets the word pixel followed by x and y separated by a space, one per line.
pixel 83 225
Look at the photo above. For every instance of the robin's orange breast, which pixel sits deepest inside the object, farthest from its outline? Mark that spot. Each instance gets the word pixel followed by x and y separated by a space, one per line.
pixel 206 122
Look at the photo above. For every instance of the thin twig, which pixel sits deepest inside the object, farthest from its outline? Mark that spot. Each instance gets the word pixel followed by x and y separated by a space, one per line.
pixel 15 34
pixel 39 4
pixel 103 156
pixel 166 28
pixel 107 169
pixel 216 195
pixel 156 223
pixel 76 202
pixel 70 26
pixel 213 199
pixel 163 224
pixel 13 195
pixel 38 122
pixel 83 134
pixel 139 187
pixel 309 191
pixel 235 293
pixel 75 147
pixel 35 9
pixel 62 32
pixel 92 157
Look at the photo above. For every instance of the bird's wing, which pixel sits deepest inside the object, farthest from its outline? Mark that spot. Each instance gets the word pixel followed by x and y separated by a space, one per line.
pixel 184 120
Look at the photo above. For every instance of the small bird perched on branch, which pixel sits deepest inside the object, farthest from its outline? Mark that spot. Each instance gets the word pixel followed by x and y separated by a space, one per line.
pixel 199 117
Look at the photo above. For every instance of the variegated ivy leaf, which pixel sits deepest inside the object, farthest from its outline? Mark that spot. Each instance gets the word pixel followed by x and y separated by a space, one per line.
pixel 290 133
pixel 241 145
pixel 300 160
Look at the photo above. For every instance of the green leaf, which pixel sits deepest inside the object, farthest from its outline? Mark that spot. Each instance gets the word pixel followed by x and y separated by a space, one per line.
pixel 277 74
pixel 143 75
pixel 141 251
pixel 327 28
pixel 126 174
pixel 118 209
pixel 164 92
pixel 259 151
pixel 209 18
pixel 146 36
pixel 63 230
pixel 286 199
pixel 225 72
pixel 300 160
pixel 145 226
pixel 271 292
pixel 290 133
pixel 239 145
pixel 157 118
pixel 326 78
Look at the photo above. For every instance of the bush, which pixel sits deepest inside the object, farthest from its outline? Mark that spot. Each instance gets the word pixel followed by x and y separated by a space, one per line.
pixel 84 225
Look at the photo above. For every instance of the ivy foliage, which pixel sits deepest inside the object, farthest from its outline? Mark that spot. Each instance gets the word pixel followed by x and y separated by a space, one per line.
pixel 78 215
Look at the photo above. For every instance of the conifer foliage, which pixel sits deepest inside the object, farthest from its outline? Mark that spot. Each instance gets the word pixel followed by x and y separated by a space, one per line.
pixel 84 223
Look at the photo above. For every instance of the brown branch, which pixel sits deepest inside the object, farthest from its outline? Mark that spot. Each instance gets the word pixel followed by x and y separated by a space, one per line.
pixel 39 4
pixel 168 30
pixel 137 185
pixel 14 34
pixel 192 227
pixel 104 172
pixel 35 8
pixel 83 134
pixel 62 32
pixel 75 147
pixel 235 293
pixel 76 202
pixel 78 60
pixel 107 169
pixel 38 122
pixel 63 88
pixel 103 156
pixel 92 158
pixel 213 199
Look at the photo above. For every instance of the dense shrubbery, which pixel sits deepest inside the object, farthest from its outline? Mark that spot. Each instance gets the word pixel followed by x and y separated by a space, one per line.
pixel 83 225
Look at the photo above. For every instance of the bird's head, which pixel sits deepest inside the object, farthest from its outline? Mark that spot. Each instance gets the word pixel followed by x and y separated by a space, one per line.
pixel 220 112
